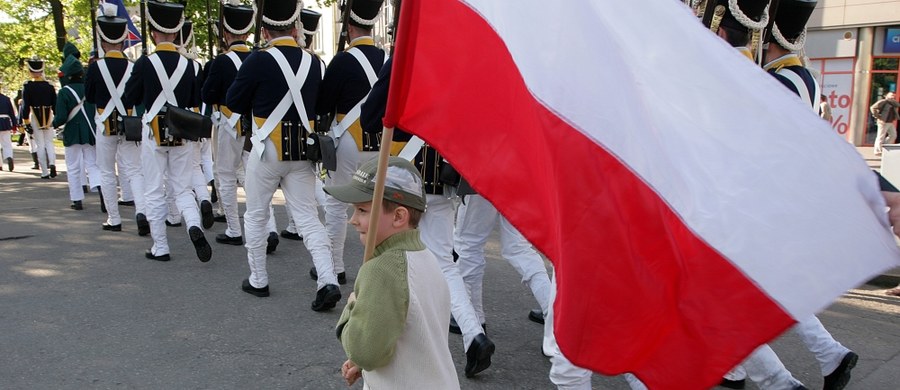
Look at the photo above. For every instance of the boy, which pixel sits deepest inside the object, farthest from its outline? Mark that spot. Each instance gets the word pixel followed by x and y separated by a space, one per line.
pixel 394 327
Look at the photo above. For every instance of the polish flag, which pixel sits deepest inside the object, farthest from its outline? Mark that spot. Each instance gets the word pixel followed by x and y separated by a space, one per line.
pixel 692 206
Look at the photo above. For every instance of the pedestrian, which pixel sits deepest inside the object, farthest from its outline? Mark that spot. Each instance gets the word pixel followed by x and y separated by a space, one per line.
pixel 38 99
pixel 162 77
pixel 394 327
pixel 72 113
pixel 885 113
pixel 278 87
pixel 824 108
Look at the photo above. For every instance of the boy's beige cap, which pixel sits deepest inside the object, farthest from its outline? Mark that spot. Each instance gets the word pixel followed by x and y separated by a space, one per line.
pixel 403 184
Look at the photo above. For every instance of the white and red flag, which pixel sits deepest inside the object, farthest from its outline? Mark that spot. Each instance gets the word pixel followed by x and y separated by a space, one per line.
pixel 693 208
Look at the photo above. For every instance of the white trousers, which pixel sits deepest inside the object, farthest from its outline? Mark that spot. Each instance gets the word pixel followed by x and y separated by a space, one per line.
pixel 6 144
pixel 117 160
pixel 43 141
pixel 32 146
pixel 81 160
pixel 348 159
pixel 206 159
pixel 229 156
pixel 819 341
pixel 475 219
pixel 436 231
pixel 124 178
pixel 764 368
pixel 297 179
pixel 198 177
pixel 167 168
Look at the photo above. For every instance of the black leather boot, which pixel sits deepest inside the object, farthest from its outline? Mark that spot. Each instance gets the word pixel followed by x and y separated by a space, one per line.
pixel 34 157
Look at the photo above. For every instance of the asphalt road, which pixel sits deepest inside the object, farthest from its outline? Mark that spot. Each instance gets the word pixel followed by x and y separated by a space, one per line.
pixel 82 308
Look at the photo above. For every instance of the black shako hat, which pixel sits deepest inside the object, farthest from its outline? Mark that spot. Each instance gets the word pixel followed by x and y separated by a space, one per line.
pixel 110 27
pixel 165 17
pixel 310 21
pixel 35 65
pixel 744 15
pixel 238 19
pixel 281 15
pixel 364 12
pixel 789 25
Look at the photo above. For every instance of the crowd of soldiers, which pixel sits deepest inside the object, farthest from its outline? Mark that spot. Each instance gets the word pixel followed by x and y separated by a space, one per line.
pixel 274 111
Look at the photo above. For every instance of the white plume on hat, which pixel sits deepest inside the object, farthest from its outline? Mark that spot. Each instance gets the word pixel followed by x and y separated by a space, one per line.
pixel 109 10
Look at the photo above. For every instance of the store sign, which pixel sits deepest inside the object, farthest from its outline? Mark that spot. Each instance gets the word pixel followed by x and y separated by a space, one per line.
pixel 892 40
pixel 837 89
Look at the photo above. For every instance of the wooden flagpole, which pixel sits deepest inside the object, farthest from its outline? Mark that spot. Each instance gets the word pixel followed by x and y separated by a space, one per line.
pixel 387 136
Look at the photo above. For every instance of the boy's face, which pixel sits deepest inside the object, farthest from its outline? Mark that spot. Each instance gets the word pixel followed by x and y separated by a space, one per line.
pixel 389 223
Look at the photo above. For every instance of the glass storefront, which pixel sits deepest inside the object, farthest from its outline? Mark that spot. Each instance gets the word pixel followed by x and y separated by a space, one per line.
pixel 885 73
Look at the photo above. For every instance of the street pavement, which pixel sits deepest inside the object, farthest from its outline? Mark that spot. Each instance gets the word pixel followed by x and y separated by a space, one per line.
pixel 81 308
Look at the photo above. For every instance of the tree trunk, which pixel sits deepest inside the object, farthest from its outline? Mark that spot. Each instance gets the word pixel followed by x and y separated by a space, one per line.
pixel 58 23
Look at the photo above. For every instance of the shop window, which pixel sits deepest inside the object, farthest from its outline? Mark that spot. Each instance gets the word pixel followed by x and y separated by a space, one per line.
pixel 886 64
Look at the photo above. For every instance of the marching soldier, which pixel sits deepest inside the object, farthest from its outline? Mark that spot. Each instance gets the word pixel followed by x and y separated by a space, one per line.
pixel 38 99
pixel 78 135
pixel 105 84
pixel 436 226
pixel 201 171
pixel 7 124
pixel 166 77
pixel 278 87
pixel 787 37
pixel 231 128
pixel 348 79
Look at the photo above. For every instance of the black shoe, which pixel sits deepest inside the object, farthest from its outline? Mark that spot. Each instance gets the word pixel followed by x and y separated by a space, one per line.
pixel 291 236
pixel 36 164
pixel 172 224
pixel 730 384
pixel 53 171
pixel 478 356
pixel 126 203
pixel 204 251
pixel 102 203
pixel 213 195
pixel 536 315
pixel 112 228
pixel 77 205
pixel 838 378
pixel 326 298
pixel 143 225
pixel 46 177
pixel 271 242
pixel 220 218
pixel 223 238
pixel 206 213
pixel 341 277
pixel 149 254
pixel 249 289
pixel 9 163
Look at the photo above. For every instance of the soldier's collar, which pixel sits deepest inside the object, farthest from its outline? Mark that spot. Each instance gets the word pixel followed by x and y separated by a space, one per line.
pixel 364 40
pixel 783 61
pixel 39 78
pixel 167 46
pixel 239 46
pixel 746 52
pixel 284 41
pixel 114 54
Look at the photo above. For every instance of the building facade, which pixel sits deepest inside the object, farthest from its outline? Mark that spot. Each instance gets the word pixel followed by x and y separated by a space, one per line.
pixel 854 45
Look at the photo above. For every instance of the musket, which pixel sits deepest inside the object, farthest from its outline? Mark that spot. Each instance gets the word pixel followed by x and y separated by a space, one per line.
pixel 209 31
pixel 144 37
pixel 257 29
pixel 773 11
pixel 345 18
pixel 394 22
pixel 220 27
pixel 94 28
